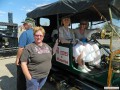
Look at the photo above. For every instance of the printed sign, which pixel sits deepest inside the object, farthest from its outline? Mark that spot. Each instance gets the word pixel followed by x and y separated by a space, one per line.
pixel 62 55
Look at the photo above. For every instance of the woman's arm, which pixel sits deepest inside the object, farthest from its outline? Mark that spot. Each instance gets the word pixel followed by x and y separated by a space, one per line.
pixel 55 46
pixel 25 70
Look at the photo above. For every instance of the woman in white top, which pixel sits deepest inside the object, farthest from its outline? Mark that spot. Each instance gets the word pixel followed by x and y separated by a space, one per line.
pixel 66 35
pixel 92 48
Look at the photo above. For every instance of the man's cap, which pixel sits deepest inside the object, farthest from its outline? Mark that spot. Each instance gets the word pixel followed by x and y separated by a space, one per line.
pixel 29 20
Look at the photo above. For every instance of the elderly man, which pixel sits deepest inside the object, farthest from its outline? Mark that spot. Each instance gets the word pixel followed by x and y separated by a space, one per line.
pixel 25 38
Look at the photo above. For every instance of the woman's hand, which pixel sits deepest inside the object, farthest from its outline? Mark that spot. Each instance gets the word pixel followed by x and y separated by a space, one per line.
pixel 29 78
pixel 55 46
pixel 57 41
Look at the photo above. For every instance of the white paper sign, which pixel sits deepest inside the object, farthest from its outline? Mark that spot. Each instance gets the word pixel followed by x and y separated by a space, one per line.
pixel 62 55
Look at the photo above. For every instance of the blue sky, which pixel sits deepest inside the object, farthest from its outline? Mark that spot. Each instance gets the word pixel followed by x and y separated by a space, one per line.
pixel 19 8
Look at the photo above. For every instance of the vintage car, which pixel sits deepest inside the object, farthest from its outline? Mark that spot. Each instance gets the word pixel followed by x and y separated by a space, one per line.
pixel 8 37
pixel 64 69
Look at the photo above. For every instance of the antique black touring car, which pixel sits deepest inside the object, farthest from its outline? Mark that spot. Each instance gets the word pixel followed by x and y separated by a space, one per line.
pixel 8 37
pixel 64 68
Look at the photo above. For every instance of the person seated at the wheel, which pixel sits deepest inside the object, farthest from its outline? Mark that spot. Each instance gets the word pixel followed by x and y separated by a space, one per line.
pixel 66 35
pixel 92 47
pixel 54 35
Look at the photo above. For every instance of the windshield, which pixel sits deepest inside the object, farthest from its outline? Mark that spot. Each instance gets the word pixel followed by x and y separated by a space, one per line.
pixel 116 25
pixel 116 19
pixel 10 31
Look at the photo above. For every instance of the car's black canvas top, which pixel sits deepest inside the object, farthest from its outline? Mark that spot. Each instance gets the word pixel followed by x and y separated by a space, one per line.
pixel 71 7
pixel 63 6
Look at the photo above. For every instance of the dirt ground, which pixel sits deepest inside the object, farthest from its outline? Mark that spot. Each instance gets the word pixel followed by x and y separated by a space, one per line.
pixel 8 75
pixel 8 71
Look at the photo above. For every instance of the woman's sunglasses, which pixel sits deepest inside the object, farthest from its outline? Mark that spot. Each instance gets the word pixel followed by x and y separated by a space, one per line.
pixel 83 24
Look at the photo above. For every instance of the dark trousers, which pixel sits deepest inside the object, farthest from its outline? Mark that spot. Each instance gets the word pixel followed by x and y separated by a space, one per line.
pixel 21 81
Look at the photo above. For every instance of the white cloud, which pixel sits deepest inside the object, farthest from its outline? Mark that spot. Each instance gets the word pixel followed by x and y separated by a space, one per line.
pixel 35 5
pixel 23 8
pixel 39 5
pixel 31 8
pixel 47 0
pixel 26 9
pixel 43 0
pixel 2 13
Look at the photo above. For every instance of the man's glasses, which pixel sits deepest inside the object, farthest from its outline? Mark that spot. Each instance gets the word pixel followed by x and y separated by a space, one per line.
pixel 38 35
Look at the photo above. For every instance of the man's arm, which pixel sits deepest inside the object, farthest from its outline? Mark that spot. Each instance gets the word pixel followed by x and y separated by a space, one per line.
pixel 20 50
pixel 21 44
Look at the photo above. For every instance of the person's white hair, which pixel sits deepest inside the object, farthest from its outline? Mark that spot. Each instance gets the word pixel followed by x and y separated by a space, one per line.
pixel 31 24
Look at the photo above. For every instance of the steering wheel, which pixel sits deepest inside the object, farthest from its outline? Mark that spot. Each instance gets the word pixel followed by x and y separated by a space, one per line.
pixel 103 32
